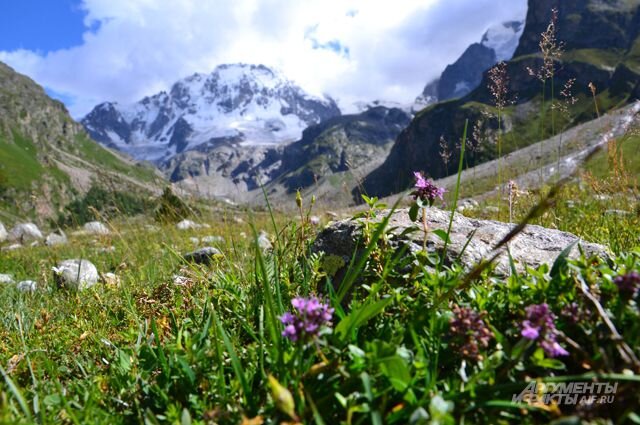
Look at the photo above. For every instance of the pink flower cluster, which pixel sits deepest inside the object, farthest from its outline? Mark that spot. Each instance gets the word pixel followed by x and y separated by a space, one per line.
pixel 425 190
pixel 306 320
pixel 540 326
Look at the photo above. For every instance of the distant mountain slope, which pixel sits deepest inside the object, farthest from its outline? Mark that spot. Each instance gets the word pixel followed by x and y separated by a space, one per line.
pixel 465 74
pixel 46 159
pixel 330 153
pixel 248 104
pixel 612 66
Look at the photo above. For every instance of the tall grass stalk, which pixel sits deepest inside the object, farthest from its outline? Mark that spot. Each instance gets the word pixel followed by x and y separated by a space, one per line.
pixel 456 194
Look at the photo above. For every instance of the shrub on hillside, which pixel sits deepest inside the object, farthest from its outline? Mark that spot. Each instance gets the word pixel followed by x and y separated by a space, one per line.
pixel 103 204
pixel 172 209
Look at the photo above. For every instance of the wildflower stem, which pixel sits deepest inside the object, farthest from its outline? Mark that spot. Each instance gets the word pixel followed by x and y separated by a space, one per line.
pixel 425 229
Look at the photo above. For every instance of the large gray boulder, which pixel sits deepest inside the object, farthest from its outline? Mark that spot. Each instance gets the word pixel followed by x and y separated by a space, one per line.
pixel 76 274
pixel 25 232
pixel 534 246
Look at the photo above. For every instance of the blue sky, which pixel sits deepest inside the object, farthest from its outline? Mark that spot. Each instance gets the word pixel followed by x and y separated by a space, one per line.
pixel 85 52
pixel 40 25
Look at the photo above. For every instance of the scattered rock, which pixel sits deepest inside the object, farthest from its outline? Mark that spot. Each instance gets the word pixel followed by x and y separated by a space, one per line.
pixel 56 238
pixel 3 233
pixel 6 278
pixel 213 239
pixel 194 241
pixel 25 232
pixel 96 228
pixel 264 243
pixel 110 279
pixel 107 249
pixel 619 213
pixel 203 255
pixel 534 246
pixel 27 286
pixel 76 274
pixel 181 280
pixel 467 204
pixel 187 224
pixel 491 209
pixel 12 247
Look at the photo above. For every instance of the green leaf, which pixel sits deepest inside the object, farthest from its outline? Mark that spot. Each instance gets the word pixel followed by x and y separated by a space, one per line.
pixel 235 362
pixel 396 370
pixel 359 316
pixel 185 417
pixel 413 212
pixel 442 235
pixel 561 262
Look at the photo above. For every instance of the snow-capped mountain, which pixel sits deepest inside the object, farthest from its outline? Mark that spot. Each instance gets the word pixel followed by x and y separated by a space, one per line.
pixel 238 104
pixel 458 79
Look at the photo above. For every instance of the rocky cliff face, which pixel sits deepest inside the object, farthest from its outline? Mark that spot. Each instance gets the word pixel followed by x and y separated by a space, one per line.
pixel 249 104
pixel 46 158
pixel 349 143
pixel 613 68
pixel 583 24
pixel 465 74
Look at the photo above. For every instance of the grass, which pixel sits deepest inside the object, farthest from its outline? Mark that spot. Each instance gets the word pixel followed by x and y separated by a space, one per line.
pixel 103 157
pixel 152 351
pixel 20 165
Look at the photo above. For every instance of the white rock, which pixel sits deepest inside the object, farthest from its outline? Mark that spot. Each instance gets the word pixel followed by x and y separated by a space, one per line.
pixel 263 241
pixel 27 286
pixel 76 274
pixel 25 232
pixel 187 224
pixel 213 239
pixel 6 278
pixel 3 233
pixel 194 241
pixel 12 247
pixel 110 279
pixel 96 228
pixel 56 239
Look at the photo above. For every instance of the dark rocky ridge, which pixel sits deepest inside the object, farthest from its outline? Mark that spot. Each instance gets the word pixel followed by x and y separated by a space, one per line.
pixel 615 73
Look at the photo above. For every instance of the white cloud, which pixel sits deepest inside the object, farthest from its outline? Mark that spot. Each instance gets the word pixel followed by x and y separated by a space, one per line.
pixel 382 49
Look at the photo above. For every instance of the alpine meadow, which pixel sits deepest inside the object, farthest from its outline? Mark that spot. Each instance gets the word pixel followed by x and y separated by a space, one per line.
pixel 252 216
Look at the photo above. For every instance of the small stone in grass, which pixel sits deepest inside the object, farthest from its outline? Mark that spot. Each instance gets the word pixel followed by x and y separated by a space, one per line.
pixel 202 255
pixel 27 286
pixel 76 274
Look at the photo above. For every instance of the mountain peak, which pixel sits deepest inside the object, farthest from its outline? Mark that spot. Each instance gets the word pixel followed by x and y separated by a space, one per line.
pixel 247 103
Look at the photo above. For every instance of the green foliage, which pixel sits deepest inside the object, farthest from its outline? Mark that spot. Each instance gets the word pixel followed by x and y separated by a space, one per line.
pixel 19 163
pixel 210 350
pixel 99 203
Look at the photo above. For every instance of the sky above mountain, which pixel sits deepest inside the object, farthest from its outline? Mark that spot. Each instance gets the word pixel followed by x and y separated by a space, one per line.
pixel 90 51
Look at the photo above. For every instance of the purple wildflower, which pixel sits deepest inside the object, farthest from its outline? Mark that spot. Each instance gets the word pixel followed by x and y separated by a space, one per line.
pixel 306 320
pixel 425 190
pixel 628 284
pixel 469 332
pixel 540 326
